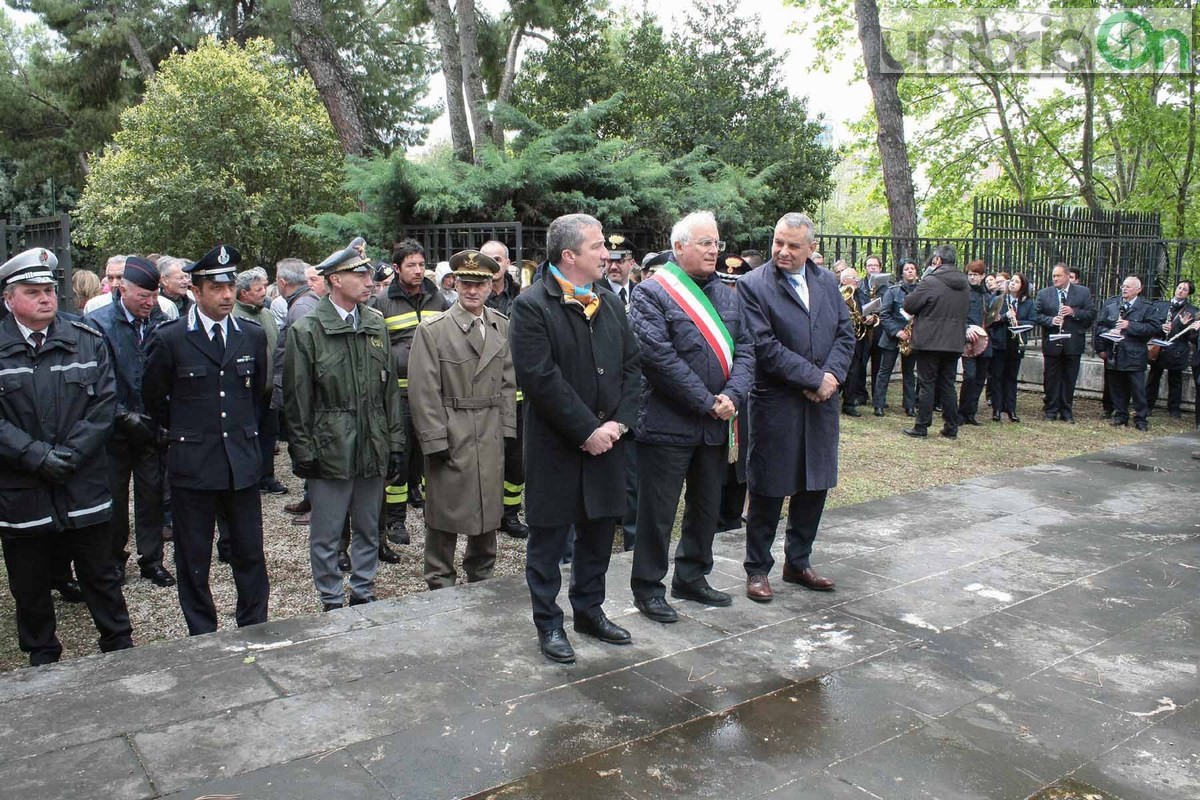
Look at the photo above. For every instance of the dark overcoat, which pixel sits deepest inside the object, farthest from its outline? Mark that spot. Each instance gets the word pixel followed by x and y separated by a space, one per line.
pixel 1045 309
pixel 208 402
pixel 794 441
pixel 1128 355
pixel 940 303
pixel 576 375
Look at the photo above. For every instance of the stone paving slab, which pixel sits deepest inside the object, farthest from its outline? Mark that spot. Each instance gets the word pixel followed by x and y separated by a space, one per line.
pixel 1032 634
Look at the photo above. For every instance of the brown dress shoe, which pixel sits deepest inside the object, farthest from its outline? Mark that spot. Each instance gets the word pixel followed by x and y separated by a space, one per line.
pixel 808 579
pixel 758 589
pixel 303 519
pixel 301 506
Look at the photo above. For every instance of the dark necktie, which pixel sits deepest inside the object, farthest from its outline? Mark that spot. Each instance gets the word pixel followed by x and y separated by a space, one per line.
pixel 1062 297
pixel 140 326
pixel 218 338
pixel 39 338
pixel 1125 308
pixel 621 294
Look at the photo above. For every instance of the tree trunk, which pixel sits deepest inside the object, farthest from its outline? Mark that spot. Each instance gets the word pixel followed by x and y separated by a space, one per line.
pixel 452 70
pixel 140 55
pixel 889 113
pixel 320 57
pixel 504 95
pixel 1189 162
pixel 1087 145
pixel 468 42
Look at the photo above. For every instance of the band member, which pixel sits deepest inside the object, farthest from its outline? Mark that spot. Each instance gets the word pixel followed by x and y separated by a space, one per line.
pixel 56 410
pixel 895 331
pixel 1177 314
pixel 462 393
pixel 577 359
pixel 504 290
pixel 1015 309
pixel 803 343
pixel 940 304
pixel 854 392
pixel 975 367
pixel 1133 319
pixel 206 379
pixel 1064 310
pixel 872 266
pixel 697 365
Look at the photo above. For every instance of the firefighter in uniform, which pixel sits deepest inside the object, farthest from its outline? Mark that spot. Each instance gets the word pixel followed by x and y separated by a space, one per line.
pixel 463 400
pixel 505 289
pixel 205 382
pixel 410 299
pixel 58 395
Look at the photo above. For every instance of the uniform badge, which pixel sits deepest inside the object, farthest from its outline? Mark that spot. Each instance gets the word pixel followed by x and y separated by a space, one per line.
pixel 247 381
pixel 222 257
pixel 44 256
pixel 376 342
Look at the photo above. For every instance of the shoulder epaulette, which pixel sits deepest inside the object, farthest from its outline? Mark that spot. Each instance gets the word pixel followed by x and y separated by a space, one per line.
pixel 373 309
pixel 83 326
pixel 251 321
pixel 499 314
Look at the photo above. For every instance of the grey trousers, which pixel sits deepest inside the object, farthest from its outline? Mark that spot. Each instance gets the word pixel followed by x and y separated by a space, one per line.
pixel 331 499
pixel 479 561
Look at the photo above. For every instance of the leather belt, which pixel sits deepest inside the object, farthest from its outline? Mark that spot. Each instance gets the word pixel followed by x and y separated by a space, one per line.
pixel 473 402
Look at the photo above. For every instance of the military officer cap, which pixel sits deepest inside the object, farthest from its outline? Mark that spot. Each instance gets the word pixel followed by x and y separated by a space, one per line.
pixel 383 271
pixel 140 272
pixel 218 265
pixel 653 261
pixel 38 265
pixel 618 247
pixel 352 259
pixel 730 267
pixel 473 266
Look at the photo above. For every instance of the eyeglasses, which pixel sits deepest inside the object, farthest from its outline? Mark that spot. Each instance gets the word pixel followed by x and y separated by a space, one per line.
pixel 704 244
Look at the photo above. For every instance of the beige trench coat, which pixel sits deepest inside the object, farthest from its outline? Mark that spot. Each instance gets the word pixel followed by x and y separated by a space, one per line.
pixel 463 404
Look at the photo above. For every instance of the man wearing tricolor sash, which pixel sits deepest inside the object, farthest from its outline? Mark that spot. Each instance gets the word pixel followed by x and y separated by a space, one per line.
pixel 697 365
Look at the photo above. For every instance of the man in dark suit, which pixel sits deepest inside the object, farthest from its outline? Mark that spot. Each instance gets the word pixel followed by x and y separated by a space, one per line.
pixel 1175 314
pixel 940 304
pixel 577 360
pixel 803 344
pixel 1134 320
pixel 1064 308
pixel 206 376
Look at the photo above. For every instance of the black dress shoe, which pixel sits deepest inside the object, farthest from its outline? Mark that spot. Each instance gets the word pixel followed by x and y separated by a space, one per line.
pixel 343 561
pixel 555 646
pixel 603 629
pixel 158 575
pixel 879 412
pixel 949 433
pixel 1108 414
pixel 69 591
pixel 387 554
pixel 1142 426
pixel 330 606
pixel 919 433
pixel 995 416
pixel 851 411
pixel 908 412
pixel 970 420
pixel 1013 418
pixel 511 525
pixel 701 593
pixel 416 498
pixel 1119 423
pixel 656 608
pixel 356 600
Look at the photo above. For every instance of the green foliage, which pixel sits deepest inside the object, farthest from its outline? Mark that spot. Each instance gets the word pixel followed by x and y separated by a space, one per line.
pixel 548 172
pixel 703 89
pixel 228 146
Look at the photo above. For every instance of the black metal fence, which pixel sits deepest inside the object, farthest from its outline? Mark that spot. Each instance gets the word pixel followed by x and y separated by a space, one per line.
pixel 52 233
pixel 524 241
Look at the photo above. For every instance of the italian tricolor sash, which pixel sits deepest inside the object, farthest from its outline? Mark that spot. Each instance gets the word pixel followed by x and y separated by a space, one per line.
pixel 695 303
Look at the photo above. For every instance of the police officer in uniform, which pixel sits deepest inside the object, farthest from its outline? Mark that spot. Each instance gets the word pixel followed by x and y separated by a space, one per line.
pixel 409 300
pixel 206 379
pixel 57 398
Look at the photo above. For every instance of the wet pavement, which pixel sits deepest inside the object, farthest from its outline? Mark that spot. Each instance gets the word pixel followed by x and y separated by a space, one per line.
pixel 1029 634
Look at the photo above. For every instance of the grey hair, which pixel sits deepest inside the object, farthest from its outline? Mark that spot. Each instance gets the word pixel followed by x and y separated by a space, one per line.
pixel 247 278
pixel 842 273
pixel 292 271
pixel 681 233
pixel 167 262
pixel 794 219
pixel 495 241
pixel 566 233
pixel 946 253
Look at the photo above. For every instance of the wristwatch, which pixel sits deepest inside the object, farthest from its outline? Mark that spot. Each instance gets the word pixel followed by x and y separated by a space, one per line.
pixel 623 428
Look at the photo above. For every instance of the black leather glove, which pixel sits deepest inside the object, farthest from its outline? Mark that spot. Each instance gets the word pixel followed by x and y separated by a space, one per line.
pixel 395 468
pixel 139 429
pixel 306 469
pixel 58 466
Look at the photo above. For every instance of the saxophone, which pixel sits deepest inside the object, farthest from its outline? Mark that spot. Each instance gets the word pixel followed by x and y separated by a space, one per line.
pixel 857 322
pixel 906 344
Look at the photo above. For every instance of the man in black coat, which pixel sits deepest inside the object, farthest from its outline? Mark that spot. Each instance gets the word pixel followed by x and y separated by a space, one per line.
pixel 1176 315
pixel 206 376
pixel 940 304
pixel 127 323
pixel 697 365
pixel 56 409
pixel 803 344
pixel 1134 320
pixel 577 360
pixel 1065 313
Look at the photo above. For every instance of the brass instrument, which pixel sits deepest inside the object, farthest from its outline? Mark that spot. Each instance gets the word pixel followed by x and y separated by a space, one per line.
pixel 857 321
pixel 906 347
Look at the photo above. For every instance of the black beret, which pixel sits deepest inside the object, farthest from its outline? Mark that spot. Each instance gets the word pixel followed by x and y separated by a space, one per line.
pixel 141 272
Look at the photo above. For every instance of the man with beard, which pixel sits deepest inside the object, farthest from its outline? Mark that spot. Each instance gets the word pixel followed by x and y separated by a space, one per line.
pixel 577 359
pixel 803 343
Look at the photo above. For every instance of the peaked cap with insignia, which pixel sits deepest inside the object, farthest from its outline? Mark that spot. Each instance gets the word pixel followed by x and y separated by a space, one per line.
pixel 730 267
pixel 473 266
pixel 352 259
pixel 618 247
pixel 38 265
pixel 218 265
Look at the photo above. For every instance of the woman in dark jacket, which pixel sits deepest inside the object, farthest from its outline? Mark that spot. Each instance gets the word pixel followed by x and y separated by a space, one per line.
pixel 1008 348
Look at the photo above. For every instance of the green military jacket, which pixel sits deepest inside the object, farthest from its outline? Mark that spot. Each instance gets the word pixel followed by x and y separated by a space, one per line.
pixel 341 400
pixel 263 316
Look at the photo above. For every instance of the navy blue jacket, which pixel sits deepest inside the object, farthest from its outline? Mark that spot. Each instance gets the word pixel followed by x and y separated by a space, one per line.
pixel 681 371
pixel 128 355
pixel 890 318
pixel 998 333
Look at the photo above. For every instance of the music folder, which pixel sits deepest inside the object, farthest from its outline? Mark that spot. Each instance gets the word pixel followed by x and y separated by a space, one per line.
pixel 872 307
pixel 1160 342
pixel 1026 329
pixel 1059 337
pixel 1112 336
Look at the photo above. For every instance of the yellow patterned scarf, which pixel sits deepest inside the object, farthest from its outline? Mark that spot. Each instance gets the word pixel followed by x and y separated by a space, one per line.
pixel 583 296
